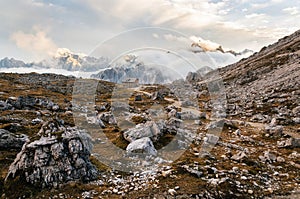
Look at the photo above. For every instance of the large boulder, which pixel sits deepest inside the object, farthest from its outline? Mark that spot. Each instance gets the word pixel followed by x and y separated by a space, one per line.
pixel 149 129
pixel 142 146
pixel 10 140
pixel 56 159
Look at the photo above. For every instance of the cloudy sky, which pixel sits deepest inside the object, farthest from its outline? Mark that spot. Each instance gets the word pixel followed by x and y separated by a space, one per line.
pixel 33 29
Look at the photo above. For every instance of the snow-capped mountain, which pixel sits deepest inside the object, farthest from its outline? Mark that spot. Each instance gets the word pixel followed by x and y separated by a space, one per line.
pixel 12 63
pixel 64 59
pixel 132 67
pixel 70 61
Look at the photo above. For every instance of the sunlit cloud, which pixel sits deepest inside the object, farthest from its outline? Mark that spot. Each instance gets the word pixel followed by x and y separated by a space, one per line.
pixel 37 43
pixel 81 25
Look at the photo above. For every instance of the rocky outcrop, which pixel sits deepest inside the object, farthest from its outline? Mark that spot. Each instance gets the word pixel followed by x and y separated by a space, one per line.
pixel 54 160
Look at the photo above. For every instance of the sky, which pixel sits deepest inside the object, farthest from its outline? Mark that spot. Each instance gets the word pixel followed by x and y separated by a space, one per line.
pixel 32 30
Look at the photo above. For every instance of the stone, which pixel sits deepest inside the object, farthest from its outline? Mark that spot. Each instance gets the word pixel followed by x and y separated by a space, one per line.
pixel 149 129
pixel 211 139
pixel 289 143
pixel 157 96
pixel 188 115
pixel 143 146
pixel 280 159
pixel 268 157
pixel 174 123
pixel 274 131
pixel 10 140
pixel 215 125
pixel 239 156
pixel 273 122
pixel 56 159
pixel 192 171
pixel 95 120
pixel 295 142
pixel 138 98
pixel 296 111
pixel 172 192
pixel 108 117
pixel 25 102
pixel 258 118
pixel 237 132
pixel 5 106
pixel 36 121
pixel 55 107
pixel 174 113
pixel 194 77
pixel 296 120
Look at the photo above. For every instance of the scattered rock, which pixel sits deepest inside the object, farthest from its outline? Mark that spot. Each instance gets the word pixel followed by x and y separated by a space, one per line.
pixel 157 96
pixel 172 192
pixel 274 131
pixel 109 118
pixel 289 143
pixel 211 139
pixel 268 157
pixel 239 156
pixel 192 171
pixel 10 140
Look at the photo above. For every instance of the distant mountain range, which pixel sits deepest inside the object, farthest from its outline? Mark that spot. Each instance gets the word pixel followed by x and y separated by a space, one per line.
pixel 64 59
pixel 130 65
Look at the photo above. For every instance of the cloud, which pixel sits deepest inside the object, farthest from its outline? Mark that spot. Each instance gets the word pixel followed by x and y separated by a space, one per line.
pixel 37 42
pixel 206 45
pixel 82 24
pixel 178 13
pixel 291 10
pixel 255 15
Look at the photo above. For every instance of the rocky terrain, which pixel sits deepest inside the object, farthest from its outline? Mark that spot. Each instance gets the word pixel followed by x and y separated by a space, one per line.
pixel 229 133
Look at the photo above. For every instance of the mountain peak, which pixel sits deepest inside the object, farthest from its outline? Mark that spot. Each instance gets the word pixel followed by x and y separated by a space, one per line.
pixel 65 52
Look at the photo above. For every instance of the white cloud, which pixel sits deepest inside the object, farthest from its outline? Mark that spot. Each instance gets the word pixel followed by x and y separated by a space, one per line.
pixel 291 10
pixel 255 15
pixel 206 45
pixel 36 43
